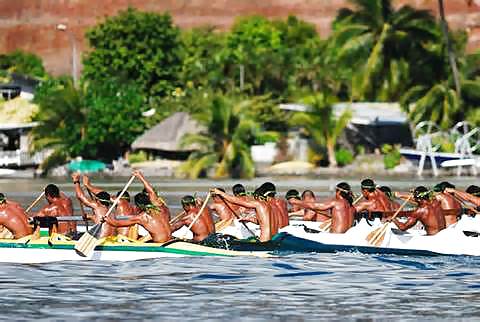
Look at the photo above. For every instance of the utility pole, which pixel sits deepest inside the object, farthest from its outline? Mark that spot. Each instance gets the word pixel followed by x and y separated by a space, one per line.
pixel 71 38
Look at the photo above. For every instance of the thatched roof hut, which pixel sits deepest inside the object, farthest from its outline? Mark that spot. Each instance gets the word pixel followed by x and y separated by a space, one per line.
pixel 166 135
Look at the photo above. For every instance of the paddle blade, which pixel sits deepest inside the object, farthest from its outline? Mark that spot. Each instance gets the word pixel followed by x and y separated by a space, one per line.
pixel 87 243
pixel 374 234
pixel 324 226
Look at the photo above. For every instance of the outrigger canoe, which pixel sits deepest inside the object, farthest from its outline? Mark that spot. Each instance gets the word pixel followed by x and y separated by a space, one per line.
pixel 57 248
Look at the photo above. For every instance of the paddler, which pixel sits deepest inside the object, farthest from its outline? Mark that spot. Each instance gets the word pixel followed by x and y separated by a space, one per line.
pixel 124 208
pixel 14 218
pixel 295 210
pixel 375 202
pixel 202 227
pixel 388 192
pixel 342 210
pixel 220 207
pixel 58 205
pixel 312 215
pixel 155 199
pixel 451 207
pixel 263 210
pixel 151 218
pixel 100 203
pixel 279 206
pixel 429 213
pixel 472 194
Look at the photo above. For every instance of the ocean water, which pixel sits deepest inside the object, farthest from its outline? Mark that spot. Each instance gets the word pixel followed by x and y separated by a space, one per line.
pixel 289 287
pixel 297 287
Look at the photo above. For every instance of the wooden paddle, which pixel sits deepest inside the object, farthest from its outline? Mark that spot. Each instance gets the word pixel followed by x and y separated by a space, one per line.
pixel 90 239
pixel 198 215
pixel 177 217
pixel 376 237
pixel 35 202
pixel 238 217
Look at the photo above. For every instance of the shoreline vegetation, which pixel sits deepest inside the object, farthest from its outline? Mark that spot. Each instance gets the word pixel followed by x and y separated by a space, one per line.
pixel 141 68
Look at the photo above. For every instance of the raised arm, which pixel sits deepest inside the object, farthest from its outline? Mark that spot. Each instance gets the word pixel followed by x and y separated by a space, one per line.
pixel 318 206
pixel 79 192
pixel 235 200
pixel 89 186
pixel 148 187
pixel 465 196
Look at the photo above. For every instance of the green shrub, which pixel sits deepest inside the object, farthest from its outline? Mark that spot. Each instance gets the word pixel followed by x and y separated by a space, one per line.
pixel 137 157
pixel 391 156
pixel 343 157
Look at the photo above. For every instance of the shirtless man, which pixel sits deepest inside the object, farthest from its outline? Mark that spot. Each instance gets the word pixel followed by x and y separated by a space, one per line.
pixel 263 211
pixel 312 215
pixel 151 218
pixel 100 204
pixel 279 206
pixel 124 208
pixel 388 192
pixel 375 200
pixel 342 210
pixel 13 218
pixel 429 213
pixel 202 227
pixel 219 206
pixel 153 196
pixel 58 205
pixel 295 210
pixel 472 194
pixel 451 207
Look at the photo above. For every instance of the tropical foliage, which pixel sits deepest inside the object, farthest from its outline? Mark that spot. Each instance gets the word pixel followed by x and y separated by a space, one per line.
pixel 93 121
pixel 22 62
pixel 224 144
pixel 386 45
pixel 135 46
pixel 321 125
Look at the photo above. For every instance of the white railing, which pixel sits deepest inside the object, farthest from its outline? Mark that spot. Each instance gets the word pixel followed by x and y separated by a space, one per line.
pixel 21 158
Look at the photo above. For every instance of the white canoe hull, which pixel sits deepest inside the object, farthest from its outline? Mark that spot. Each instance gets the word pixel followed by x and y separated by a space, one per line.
pixel 454 240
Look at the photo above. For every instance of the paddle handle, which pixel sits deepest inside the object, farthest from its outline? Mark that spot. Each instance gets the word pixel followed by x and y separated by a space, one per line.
pixel 401 207
pixel 199 213
pixel 115 202
pixel 238 217
pixel 383 229
pixel 357 200
pixel 176 218
pixel 35 202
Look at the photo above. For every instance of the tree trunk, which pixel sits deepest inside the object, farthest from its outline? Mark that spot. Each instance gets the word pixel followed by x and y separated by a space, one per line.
pixel 451 54
pixel 332 161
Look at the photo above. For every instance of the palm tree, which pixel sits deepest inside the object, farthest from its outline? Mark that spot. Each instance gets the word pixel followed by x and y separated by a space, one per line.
pixel 382 42
pixel 62 116
pixel 225 143
pixel 321 124
pixel 440 102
